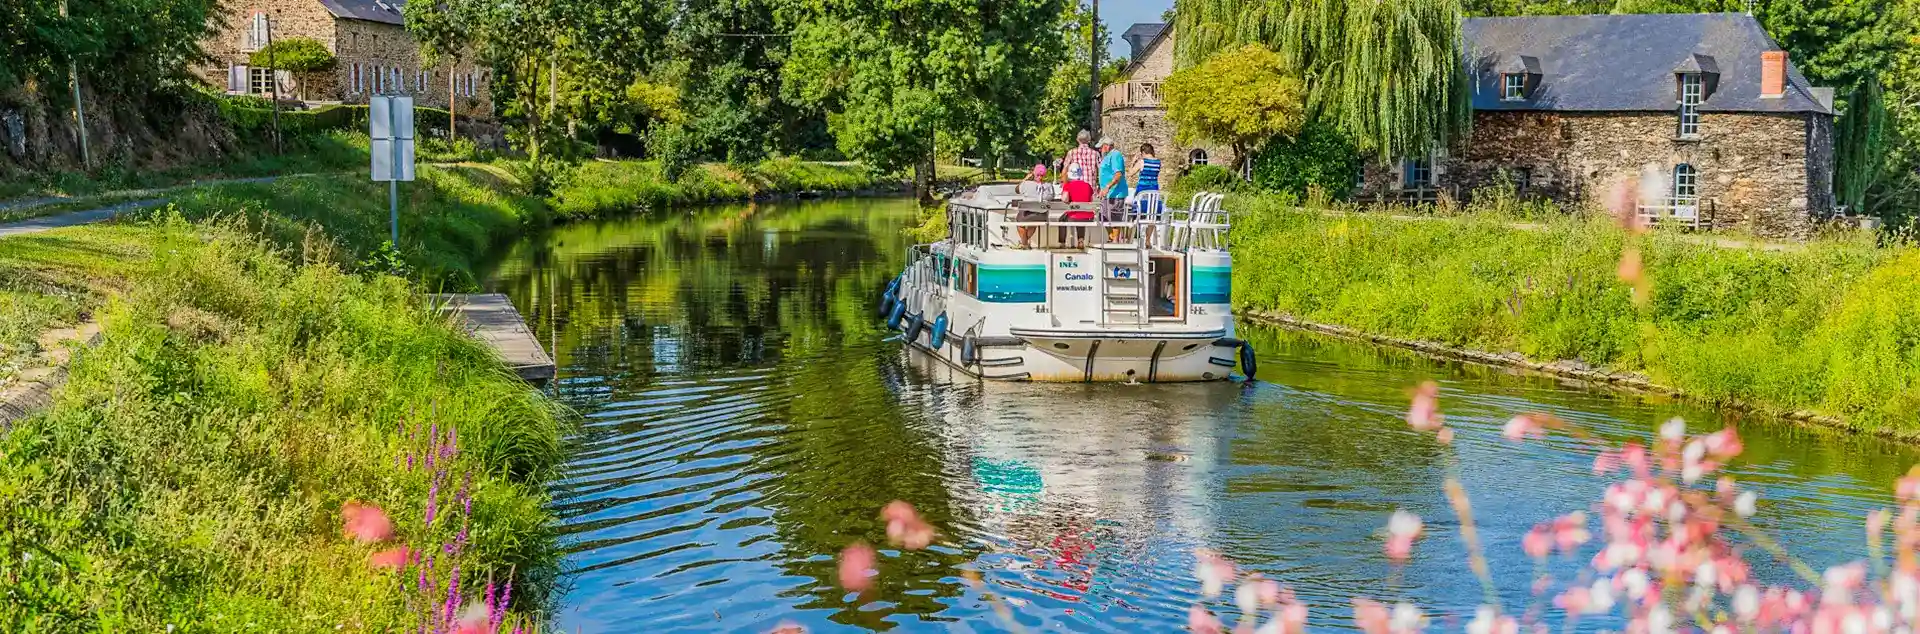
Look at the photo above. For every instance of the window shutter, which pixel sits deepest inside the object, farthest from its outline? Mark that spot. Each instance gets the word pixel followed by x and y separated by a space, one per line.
pixel 283 81
pixel 1436 166
pixel 1400 173
pixel 236 78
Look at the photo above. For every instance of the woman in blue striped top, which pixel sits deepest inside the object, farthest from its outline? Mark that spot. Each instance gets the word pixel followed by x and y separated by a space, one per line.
pixel 1146 173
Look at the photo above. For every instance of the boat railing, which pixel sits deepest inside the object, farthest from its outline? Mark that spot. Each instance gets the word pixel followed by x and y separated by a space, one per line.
pixel 1147 218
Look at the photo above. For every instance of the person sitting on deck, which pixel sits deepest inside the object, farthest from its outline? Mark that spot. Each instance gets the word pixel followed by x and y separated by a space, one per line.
pixel 1035 186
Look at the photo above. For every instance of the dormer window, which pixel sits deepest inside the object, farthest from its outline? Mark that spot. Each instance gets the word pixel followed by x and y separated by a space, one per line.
pixel 1519 76
pixel 1513 87
pixel 1692 92
pixel 257 32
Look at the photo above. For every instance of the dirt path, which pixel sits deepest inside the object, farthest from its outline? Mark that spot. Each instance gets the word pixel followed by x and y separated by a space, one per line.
pixel 144 199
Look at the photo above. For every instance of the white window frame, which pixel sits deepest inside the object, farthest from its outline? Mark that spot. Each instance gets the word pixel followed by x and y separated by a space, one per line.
pixel 1686 184
pixel 256 34
pixel 259 81
pixel 1513 87
pixel 356 79
pixel 1417 173
pixel 1692 92
pixel 1198 157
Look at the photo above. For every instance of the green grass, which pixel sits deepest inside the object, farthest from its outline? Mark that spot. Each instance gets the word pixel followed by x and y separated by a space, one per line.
pixel 601 187
pixel 449 218
pixel 315 153
pixel 1833 328
pixel 193 471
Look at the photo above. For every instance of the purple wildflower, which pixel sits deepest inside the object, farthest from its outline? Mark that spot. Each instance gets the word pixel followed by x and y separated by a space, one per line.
pixel 453 594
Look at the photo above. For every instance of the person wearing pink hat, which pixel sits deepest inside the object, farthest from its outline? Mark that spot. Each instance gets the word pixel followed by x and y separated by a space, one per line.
pixel 1036 186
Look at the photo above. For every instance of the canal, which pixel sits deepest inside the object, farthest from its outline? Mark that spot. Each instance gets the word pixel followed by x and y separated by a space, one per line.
pixel 746 416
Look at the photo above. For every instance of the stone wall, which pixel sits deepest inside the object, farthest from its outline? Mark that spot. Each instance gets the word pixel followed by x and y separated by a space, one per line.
pixel 355 43
pixel 1130 127
pixel 1765 173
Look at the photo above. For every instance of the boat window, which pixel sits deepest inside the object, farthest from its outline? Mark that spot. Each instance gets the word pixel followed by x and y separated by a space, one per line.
pixel 969 279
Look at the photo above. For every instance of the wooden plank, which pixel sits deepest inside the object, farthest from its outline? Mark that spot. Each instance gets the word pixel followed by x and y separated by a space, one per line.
pixel 492 319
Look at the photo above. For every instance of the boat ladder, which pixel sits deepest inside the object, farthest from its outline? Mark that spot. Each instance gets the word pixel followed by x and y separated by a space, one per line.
pixel 1123 285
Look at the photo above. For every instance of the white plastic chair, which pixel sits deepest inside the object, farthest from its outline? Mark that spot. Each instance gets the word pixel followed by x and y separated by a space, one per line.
pixel 1207 223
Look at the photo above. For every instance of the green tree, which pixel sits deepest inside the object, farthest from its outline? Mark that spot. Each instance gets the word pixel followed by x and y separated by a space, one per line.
pixel 895 75
pixel 1068 99
pixel 1240 97
pixel 301 56
pixel 1860 144
pixel 1386 74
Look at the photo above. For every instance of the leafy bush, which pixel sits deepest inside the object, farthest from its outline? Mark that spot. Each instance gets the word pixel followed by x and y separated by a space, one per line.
pixel 1319 157
pixel 294 54
pixel 673 146
pixel 1212 178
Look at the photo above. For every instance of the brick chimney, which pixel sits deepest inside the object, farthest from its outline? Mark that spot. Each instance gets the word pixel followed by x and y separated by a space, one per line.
pixel 1773 73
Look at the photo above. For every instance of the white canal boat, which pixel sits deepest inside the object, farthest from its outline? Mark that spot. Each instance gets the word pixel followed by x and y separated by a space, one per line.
pixel 1140 298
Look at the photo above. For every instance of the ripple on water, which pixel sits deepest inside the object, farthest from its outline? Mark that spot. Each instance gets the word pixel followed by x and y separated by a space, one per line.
pixel 744 418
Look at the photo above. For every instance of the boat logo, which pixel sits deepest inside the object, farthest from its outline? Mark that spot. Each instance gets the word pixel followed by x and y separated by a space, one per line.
pixel 1069 264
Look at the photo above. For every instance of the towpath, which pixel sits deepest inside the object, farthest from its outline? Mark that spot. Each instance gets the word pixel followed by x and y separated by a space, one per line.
pixel 140 199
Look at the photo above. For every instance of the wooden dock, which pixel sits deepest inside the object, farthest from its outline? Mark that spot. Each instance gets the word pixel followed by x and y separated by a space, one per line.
pixel 492 319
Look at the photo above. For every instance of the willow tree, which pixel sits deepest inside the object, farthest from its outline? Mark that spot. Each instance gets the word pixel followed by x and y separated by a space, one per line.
pixel 1389 74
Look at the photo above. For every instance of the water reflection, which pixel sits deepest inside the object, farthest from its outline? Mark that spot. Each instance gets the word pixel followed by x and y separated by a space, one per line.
pixel 746 418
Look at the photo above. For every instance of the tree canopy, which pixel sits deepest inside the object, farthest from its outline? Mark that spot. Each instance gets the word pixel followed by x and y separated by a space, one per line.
pixel 1241 97
pixel 1387 74
pixel 893 78
pixel 295 54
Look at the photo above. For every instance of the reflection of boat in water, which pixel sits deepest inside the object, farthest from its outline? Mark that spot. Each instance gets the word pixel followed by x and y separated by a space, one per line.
pixel 1078 488
pixel 1144 299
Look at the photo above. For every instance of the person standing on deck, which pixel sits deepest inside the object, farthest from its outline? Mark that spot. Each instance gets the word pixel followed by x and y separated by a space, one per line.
pixel 1146 178
pixel 1081 162
pixel 1113 186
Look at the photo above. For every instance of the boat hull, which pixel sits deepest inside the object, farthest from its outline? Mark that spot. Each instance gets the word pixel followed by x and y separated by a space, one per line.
pixel 1089 357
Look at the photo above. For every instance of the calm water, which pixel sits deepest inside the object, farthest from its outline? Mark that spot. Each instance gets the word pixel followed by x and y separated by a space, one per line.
pixel 746 417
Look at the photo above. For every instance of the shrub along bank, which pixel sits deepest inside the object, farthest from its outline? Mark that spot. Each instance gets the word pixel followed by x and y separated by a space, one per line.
pixel 1832 328
pixel 193 473
pixel 603 187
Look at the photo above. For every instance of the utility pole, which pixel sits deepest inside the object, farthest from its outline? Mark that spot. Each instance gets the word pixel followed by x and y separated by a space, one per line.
pixel 79 109
pixel 1093 56
pixel 273 80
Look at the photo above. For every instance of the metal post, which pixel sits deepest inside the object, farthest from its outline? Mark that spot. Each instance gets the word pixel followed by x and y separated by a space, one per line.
pixel 79 109
pixel 393 185
pixel 273 79
pixel 1093 57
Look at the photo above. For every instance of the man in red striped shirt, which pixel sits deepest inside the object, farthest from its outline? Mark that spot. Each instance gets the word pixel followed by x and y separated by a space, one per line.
pixel 1083 157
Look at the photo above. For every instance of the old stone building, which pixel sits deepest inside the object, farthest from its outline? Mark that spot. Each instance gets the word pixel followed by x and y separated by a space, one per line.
pixel 1131 112
pixel 374 53
pixel 1565 105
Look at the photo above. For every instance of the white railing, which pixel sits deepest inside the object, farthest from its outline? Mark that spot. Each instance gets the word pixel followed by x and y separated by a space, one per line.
pixel 1678 210
pixel 1131 94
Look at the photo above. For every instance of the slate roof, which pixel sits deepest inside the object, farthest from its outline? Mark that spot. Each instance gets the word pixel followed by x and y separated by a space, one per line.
pixel 1627 62
pixel 387 11
pixel 1144 33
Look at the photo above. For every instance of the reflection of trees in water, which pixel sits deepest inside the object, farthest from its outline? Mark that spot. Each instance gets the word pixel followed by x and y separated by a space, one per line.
pixel 780 292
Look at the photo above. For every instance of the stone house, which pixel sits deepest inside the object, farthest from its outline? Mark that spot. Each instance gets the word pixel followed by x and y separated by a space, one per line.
pixel 1565 105
pixel 374 53
pixel 1131 112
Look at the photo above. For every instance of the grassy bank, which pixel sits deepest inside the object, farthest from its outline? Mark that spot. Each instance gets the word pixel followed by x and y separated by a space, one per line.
pixel 602 187
pixel 193 472
pixel 1832 328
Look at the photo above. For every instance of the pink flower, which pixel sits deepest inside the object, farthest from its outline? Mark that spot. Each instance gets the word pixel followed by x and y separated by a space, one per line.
pixel 1908 489
pixel 473 620
pixel 786 627
pixel 1570 531
pixel 1724 444
pixel 390 559
pixel 1200 621
pixel 1575 600
pixel 904 526
pixel 856 567
pixel 1371 617
pixel 365 523
pixel 1538 543
pixel 1444 436
pixel 1424 413
pixel 1402 529
pixel 1605 462
pixel 1523 426
pixel 1213 571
